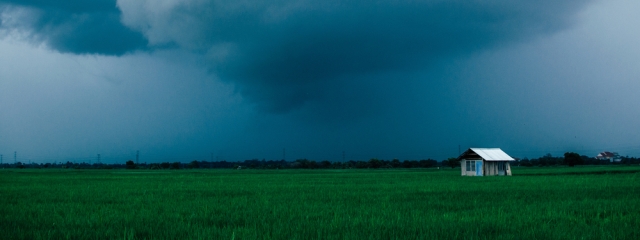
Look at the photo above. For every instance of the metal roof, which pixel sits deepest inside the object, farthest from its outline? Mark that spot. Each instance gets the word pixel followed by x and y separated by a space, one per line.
pixel 492 154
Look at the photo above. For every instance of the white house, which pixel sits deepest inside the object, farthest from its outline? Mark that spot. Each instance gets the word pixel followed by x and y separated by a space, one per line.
pixel 609 156
pixel 485 162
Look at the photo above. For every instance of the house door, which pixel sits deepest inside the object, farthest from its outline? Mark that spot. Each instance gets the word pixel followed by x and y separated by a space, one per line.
pixel 501 168
pixel 478 168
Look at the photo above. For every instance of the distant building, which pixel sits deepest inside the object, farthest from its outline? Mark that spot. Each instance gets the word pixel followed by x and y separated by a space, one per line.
pixel 609 156
pixel 485 162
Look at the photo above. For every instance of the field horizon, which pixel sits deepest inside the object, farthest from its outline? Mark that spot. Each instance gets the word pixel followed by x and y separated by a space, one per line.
pixel 586 202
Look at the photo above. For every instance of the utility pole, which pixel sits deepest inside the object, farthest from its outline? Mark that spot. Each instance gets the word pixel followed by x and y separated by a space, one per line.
pixel 15 157
pixel 137 157
pixel 98 158
pixel 284 156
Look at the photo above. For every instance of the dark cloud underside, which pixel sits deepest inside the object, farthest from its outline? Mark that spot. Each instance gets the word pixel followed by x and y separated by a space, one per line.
pixel 79 27
pixel 373 79
pixel 283 54
pixel 282 60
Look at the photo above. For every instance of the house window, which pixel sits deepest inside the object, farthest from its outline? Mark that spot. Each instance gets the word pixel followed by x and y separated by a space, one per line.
pixel 473 166
pixel 468 165
pixel 500 166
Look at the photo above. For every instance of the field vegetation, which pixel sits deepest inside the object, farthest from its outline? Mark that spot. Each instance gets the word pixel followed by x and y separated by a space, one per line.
pixel 583 202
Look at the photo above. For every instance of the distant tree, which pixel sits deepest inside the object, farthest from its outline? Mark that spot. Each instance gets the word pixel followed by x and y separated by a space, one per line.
pixel 375 163
pixel 572 159
pixel 130 165
pixel 175 165
pixel 349 164
pixel 165 165
pixel 325 164
pixel 154 166
pixel 544 160
pixel 407 164
pixel 337 165
pixel 453 162
pixel 525 162
pixel 313 164
pixel 589 160
pixel 428 163
pixel 395 163
pixel 301 163
pixel 385 163
pixel 193 164
pixel 361 164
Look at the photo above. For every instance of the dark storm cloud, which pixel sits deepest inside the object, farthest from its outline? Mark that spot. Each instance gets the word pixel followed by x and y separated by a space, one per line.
pixel 282 54
pixel 73 26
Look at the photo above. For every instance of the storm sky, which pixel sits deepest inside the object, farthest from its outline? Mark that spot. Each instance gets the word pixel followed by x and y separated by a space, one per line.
pixel 182 80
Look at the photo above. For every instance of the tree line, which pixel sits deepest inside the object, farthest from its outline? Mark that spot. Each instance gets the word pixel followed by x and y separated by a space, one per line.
pixel 572 159
pixel 568 159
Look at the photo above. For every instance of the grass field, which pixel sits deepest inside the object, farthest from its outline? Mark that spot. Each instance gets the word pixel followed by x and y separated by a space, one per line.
pixel 535 203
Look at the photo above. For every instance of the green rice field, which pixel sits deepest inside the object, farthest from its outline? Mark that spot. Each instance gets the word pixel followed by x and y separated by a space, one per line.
pixel 535 203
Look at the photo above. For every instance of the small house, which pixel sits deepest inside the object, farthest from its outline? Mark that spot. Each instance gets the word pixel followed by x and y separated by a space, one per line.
pixel 609 156
pixel 485 162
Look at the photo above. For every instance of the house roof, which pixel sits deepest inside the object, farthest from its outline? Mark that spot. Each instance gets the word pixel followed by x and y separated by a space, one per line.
pixel 489 154
pixel 607 155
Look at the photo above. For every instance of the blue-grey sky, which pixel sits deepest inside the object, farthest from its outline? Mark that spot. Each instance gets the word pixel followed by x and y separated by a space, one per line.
pixel 180 80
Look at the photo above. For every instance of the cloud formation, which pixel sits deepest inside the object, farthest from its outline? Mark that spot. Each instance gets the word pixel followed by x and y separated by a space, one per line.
pixel 71 26
pixel 282 54
pixel 407 80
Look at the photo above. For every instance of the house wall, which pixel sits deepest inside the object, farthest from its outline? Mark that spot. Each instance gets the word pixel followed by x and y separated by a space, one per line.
pixel 489 168
pixel 492 168
pixel 463 167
